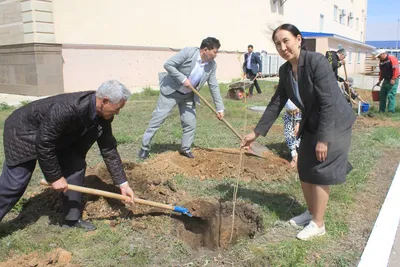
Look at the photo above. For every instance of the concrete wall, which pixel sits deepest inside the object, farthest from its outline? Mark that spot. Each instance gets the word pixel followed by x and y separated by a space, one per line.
pixel 130 40
pixel 37 16
pixel 86 66
pixel 31 69
pixel 11 27
pixel 26 21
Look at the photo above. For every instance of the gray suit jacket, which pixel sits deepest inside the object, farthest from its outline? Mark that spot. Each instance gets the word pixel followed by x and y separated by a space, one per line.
pixel 179 67
pixel 325 111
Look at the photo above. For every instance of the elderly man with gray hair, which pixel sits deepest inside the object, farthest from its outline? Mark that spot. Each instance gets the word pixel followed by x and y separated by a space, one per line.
pixel 336 59
pixel 57 132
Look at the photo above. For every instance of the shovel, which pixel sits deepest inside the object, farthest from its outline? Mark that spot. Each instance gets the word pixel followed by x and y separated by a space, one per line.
pixel 124 198
pixel 255 149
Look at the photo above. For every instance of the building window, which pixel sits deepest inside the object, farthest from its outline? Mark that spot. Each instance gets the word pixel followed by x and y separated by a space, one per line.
pixel 357 21
pixel 359 57
pixel 361 37
pixel 335 13
pixel 350 56
pixel 351 19
pixel 343 17
pixel 321 23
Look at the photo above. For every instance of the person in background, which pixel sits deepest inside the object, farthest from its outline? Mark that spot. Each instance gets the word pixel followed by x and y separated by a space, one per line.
pixel 336 59
pixel 353 94
pixel 252 68
pixel 389 74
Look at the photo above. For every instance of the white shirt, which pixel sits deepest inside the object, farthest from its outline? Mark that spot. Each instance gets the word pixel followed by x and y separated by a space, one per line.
pixel 195 75
pixel 248 65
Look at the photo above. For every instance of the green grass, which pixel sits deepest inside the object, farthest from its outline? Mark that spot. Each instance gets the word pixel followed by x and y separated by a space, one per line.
pixel 278 201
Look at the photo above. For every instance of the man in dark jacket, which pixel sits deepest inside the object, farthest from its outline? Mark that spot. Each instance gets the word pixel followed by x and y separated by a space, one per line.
pixel 252 67
pixel 336 59
pixel 57 132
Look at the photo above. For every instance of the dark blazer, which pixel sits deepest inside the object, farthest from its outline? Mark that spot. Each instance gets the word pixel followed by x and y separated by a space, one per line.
pixel 256 66
pixel 325 112
pixel 61 124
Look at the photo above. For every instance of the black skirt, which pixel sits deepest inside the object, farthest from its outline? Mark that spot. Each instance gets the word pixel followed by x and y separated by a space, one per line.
pixel 335 167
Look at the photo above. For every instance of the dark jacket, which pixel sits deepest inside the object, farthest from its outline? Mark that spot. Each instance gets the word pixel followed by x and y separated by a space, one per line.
pixel 325 111
pixel 255 63
pixel 59 125
pixel 389 68
pixel 333 59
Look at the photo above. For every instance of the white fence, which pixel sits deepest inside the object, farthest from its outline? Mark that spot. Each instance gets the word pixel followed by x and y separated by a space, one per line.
pixel 271 64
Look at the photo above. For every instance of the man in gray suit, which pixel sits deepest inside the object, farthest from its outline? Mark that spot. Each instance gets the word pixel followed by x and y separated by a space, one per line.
pixel 190 67
pixel 252 68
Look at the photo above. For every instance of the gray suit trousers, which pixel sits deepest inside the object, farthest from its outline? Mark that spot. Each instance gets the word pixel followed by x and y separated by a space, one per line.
pixel 165 105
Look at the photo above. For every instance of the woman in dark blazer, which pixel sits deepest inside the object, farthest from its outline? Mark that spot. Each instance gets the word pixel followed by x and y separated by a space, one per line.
pixel 308 81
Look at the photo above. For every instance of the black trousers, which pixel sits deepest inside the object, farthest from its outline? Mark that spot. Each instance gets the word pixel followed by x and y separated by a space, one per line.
pixel 251 76
pixel 15 179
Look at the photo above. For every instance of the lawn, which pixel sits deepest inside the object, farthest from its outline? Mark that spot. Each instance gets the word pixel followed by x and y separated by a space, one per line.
pixel 120 242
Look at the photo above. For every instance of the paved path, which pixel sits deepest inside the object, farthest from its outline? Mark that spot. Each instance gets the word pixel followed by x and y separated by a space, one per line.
pixel 394 260
pixel 15 100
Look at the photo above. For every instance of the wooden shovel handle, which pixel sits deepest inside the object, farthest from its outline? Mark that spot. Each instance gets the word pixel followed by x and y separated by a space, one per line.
pixel 102 193
pixel 216 113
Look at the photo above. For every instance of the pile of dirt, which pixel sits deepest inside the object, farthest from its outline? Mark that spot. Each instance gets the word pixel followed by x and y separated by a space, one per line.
pixel 211 225
pixel 57 258
pixel 215 163
pixel 144 184
pixel 221 163
pixel 366 122
pixel 152 179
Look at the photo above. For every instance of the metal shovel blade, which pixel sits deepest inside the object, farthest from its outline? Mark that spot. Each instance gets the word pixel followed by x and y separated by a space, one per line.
pixel 258 150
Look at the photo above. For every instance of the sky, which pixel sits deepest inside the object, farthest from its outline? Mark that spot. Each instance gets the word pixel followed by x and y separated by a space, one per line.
pixel 382 20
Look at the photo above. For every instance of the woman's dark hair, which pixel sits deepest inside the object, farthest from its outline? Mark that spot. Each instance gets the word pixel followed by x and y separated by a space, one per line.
pixel 293 30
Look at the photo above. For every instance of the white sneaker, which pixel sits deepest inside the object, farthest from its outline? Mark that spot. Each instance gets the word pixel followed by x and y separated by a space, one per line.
pixel 301 220
pixel 310 231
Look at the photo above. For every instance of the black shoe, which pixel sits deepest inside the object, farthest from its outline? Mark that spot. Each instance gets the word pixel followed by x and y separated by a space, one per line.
pixel 85 225
pixel 143 154
pixel 187 154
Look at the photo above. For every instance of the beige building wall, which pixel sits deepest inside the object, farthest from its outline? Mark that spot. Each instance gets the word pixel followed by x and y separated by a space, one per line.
pixel 131 39
pixel 37 16
pixel 172 23
pixel 11 26
pixel 180 23
pixel 85 67
pixel 306 14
